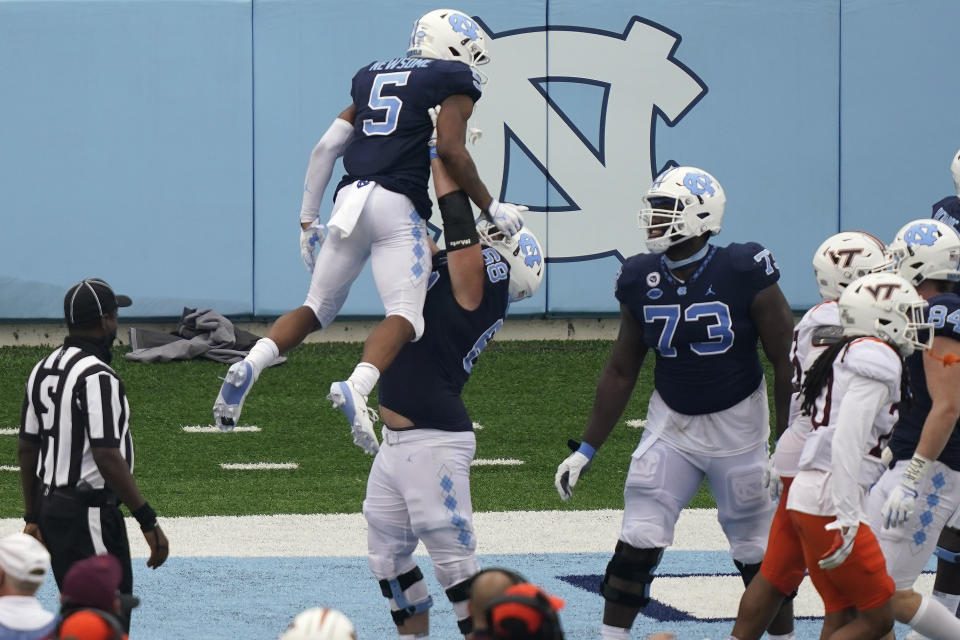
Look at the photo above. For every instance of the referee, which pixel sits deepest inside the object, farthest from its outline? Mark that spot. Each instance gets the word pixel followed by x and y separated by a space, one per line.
pixel 75 448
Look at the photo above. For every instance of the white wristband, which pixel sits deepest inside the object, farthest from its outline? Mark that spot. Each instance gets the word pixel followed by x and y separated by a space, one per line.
pixel 916 471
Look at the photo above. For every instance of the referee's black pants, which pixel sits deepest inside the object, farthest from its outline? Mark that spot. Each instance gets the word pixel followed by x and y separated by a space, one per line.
pixel 73 529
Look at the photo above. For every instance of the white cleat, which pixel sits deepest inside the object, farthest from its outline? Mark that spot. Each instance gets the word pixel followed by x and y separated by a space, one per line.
pixel 914 635
pixel 236 386
pixel 345 397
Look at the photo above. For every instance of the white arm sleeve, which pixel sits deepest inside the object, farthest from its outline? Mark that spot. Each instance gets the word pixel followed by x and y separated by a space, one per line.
pixel 324 155
pixel 864 398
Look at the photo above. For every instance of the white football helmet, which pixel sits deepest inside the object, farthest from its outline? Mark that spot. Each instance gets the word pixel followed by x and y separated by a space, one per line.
pixel 320 623
pixel 885 305
pixel 844 257
pixel 682 203
pixel 522 251
pixel 955 170
pixel 926 249
pixel 447 34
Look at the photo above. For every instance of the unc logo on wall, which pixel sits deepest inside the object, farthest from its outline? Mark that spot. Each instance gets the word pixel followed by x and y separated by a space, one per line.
pixel 581 172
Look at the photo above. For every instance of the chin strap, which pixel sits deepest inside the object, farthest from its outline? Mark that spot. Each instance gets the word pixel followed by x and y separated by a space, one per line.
pixel 697 257
pixel 947 359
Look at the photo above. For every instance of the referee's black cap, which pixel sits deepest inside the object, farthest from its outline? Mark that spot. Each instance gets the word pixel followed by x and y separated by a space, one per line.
pixel 89 300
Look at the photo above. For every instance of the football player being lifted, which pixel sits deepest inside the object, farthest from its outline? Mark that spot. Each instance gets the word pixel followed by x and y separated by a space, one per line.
pixel 838 261
pixel 381 207
pixel 701 308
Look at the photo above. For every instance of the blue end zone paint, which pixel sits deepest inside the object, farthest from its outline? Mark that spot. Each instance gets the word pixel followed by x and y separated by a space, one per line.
pixel 257 597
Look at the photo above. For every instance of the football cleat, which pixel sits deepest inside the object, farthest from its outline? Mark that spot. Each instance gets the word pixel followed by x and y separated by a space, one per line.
pixel 236 386
pixel 345 397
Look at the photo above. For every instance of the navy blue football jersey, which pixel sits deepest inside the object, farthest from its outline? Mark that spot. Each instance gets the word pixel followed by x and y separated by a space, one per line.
pixel 424 382
pixel 392 126
pixel 701 330
pixel 944 313
pixel 948 211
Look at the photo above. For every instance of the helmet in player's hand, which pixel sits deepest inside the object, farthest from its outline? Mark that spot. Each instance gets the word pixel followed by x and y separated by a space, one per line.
pixel 320 623
pixel 885 305
pixel 844 257
pixel 682 203
pixel 446 34
pixel 926 249
pixel 522 251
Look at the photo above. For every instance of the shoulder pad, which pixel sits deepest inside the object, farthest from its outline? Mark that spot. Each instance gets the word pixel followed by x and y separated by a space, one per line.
pixel 634 272
pixel 873 358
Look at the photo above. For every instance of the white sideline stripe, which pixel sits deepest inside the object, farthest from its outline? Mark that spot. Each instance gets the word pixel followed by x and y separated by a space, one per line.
pixel 345 535
pixel 258 466
pixel 6 467
pixel 9 431
pixel 637 423
pixel 212 428
pixel 477 426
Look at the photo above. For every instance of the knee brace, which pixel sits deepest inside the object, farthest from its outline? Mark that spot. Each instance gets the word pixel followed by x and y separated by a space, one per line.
pixel 747 570
pixel 458 595
pixel 408 595
pixel 635 567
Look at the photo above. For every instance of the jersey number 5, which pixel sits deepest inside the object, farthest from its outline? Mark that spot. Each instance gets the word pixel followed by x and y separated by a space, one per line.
pixel 392 104
pixel 719 332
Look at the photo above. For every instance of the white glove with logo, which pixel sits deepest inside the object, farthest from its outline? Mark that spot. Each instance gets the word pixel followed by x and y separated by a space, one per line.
pixel 900 503
pixel 433 113
pixel 570 470
pixel 771 480
pixel 310 240
pixel 842 544
pixel 506 216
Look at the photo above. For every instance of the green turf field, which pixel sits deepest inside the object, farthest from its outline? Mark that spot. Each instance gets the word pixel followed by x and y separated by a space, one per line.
pixel 529 396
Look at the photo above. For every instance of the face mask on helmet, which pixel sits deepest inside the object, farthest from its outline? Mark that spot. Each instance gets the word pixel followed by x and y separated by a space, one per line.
pixel 885 305
pixel 522 252
pixel 446 34
pixel 682 203
pixel 844 257
pixel 926 249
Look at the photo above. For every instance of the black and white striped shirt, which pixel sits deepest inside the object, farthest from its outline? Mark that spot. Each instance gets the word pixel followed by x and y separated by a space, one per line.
pixel 73 401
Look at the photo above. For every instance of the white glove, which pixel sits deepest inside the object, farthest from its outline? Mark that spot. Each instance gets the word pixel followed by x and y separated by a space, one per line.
pixel 886 457
pixel 310 240
pixel 433 112
pixel 899 506
pixel 569 472
pixel 771 480
pixel 842 545
pixel 900 503
pixel 506 216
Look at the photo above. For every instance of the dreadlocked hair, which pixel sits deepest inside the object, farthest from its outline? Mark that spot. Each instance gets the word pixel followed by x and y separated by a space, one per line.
pixel 821 372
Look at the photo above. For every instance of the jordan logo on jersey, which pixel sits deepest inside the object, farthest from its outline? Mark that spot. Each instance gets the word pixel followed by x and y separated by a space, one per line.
pixel 605 133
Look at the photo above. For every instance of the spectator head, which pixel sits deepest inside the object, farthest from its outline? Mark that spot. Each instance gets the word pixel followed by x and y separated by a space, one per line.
pixel 487 585
pixel 88 624
pixel 525 612
pixel 93 582
pixel 320 623
pixel 24 563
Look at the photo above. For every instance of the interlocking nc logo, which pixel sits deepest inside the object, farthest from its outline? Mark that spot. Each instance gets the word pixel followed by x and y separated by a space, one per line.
pixel 843 258
pixel 577 145
pixel 883 291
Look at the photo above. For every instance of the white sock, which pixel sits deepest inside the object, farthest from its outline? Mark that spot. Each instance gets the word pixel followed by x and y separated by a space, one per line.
pixel 935 621
pixel 614 633
pixel 786 636
pixel 415 636
pixel 949 600
pixel 262 355
pixel 364 376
